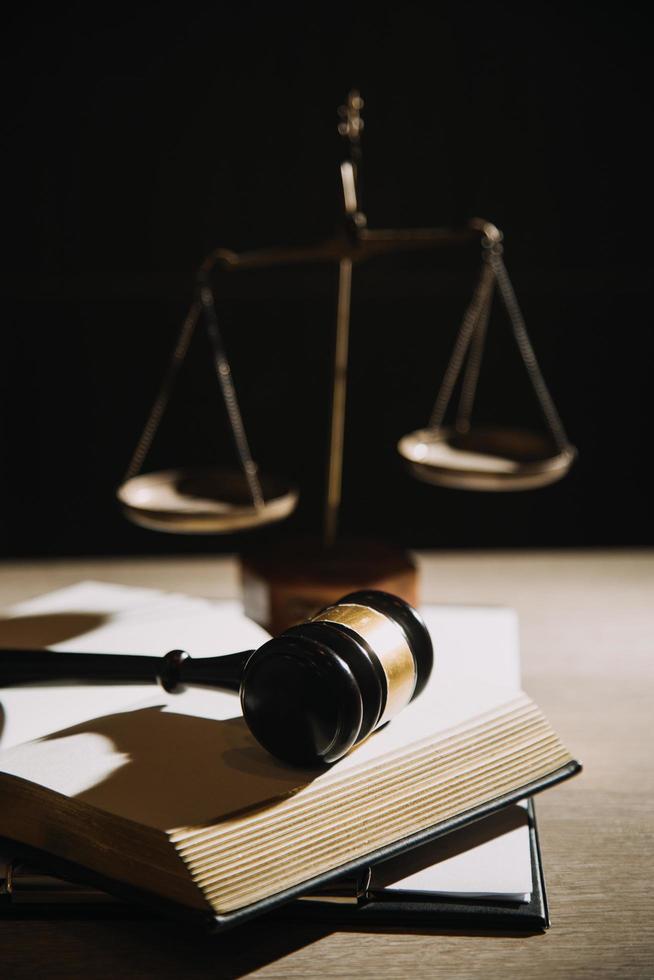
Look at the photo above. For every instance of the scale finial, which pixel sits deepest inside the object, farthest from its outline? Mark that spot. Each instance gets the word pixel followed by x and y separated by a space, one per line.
pixel 350 127
pixel 351 123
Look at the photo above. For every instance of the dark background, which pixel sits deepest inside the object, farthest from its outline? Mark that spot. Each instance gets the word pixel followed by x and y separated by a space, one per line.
pixel 138 138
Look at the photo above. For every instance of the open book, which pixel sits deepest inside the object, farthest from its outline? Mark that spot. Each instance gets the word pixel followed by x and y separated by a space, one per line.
pixel 173 797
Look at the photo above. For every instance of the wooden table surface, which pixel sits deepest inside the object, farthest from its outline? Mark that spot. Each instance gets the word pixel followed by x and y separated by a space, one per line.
pixel 587 634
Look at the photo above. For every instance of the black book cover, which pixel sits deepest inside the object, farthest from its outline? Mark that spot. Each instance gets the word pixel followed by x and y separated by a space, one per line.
pixel 369 909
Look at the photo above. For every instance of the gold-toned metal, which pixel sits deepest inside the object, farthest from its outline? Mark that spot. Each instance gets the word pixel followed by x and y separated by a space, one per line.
pixel 349 187
pixel 203 500
pixel 390 645
pixel 359 244
pixel 351 124
pixel 162 500
pixel 366 244
pixel 488 231
pixel 355 243
pixel 163 395
pixel 208 500
pixel 339 394
pixel 493 459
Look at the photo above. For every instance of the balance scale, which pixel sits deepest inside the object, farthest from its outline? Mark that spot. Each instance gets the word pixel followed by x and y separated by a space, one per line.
pixel 284 585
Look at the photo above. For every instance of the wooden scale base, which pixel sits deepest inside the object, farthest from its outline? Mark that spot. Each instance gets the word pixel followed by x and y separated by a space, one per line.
pixel 285 586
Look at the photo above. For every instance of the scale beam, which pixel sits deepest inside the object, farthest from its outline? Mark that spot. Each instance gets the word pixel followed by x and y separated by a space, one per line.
pixel 365 244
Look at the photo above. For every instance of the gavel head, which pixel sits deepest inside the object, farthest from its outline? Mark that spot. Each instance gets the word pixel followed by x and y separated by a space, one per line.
pixel 316 690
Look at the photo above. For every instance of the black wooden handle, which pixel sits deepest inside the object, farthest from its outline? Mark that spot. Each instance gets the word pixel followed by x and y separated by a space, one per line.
pixel 174 671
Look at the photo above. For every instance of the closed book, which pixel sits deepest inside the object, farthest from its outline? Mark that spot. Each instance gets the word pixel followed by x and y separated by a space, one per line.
pixel 487 875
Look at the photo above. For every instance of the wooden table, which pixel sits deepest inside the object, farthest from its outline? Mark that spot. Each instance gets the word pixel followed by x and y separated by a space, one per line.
pixel 587 625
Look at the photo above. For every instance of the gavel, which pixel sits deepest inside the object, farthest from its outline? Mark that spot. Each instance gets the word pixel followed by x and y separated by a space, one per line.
pixel 308 695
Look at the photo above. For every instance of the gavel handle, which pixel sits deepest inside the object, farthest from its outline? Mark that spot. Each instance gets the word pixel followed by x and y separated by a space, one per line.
pixel 174 671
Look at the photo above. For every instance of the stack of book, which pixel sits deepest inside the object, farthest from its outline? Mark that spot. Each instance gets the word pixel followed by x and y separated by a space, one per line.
pixel 126 794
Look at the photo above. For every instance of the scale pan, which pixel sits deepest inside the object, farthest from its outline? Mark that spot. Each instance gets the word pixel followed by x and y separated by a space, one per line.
pixel 485 458
pixel 203 500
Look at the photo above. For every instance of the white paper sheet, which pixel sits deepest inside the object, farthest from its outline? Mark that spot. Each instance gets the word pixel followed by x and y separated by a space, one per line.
pixel 97 617
pixel 489 859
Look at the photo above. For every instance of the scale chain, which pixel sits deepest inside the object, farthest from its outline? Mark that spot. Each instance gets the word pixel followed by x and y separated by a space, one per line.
pixel 548 407
pixel 473 367
pixel 480 300
pixel 224 375
pixel 163 396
